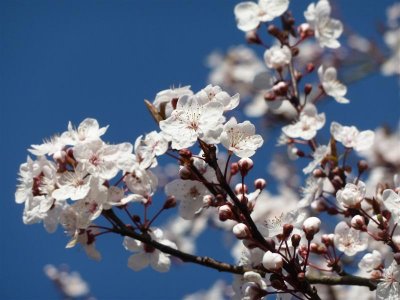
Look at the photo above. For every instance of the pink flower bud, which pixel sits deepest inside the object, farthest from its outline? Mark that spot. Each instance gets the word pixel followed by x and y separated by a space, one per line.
pixel 260 184
pixel 225 212
pixel 311 227
pixel 240 189
pixel 358 222
pixel 245 165
pixel 272 261
pixel 241 231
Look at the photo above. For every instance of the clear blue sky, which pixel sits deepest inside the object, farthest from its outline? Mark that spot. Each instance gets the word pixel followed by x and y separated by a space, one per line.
pixel 68 60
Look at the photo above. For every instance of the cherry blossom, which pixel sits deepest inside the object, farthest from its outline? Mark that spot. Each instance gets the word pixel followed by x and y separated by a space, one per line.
pixel 272 261
pixel 326 30
pixel 352 194
pixel 164 98
pixel 147 255
pixel 389 287
pixel 370 261
pixel 216 94
pixel 277 56
pixel 392 65
pixel 349 240
pixel 190 193
pixel 350 137
pixel 192 120
pixel 331 85
pixel 249 14
pixel 319 154
pixel 308 124
pixel 391 200
pixel 240 138
pixel 147 148
pixel 73 185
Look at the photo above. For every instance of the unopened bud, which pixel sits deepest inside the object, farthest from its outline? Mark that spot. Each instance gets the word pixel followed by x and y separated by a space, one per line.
pixel 185 153
pixel 185 173
pixel 280 88
pixel 314 247
pixel 269 96
pixel 170 202
pixel 234 168
pixel 287 230
pixel 310 67
pixel 241 231
pixel 305 30
pixel 311 227
pixel 307 89
pixel 358 222
pixel 241 188
pixel 327 239
pixel 253 38
pixel 225 212
pixel 273 30
pixel 245 165
pixel 270 243
pixel 272 261
pixel 260 184
pixel 296 240
pixel 362 166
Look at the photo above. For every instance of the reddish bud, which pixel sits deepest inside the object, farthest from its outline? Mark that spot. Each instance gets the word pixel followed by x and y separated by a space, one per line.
pixel 260 184
pixel 245 165
pixel 307 89
pixel 225 213
pixel 170 202
pixel 253 38
pixel 241 188
pixel 362 166
pixel 310 67
pixel 234 168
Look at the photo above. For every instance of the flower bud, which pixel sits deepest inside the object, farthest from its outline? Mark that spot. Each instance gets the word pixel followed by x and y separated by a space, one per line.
pixel 234 168
pixel 362 166
pixel 295 240
pixel 241 231
pixel 170 202
pixel 185 173
pixel 185 153
pixel 273 30
pixel 311 227
pixel 287 230
pixel 245 165
pixel 225 212
pixel 241 188
pixel 327 239
pixel 307 88
pixel 310 67
pixel 243 199
pixel 305 30
pixel 269 96
pixel 358 222
pixel 272 261
pixel 253 38
pixel 260 184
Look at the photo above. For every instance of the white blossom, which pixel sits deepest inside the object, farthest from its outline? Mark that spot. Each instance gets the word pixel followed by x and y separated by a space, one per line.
pixel 318 156
pixel 391 200
pixel 190 194
pixel 349 240
pixel 389 286
pixel 164 98
pixel 88 130
pixel 102 160
pixel 392 65
pixel 352 194
pixel 370 261
pixel 148 255
pixel 332 87
pixel 350 137
pixel 141 183
pixel 73 184
pixel 147 148
pixel 326 29
pixel 308 124
pixel 192 120
pixel 215 93
pixel 249 14
pixel 277 56
pixel 240 138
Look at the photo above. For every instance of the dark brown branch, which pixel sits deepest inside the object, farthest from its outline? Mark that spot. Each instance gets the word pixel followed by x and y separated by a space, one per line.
pixel 343 280
pixel 125 230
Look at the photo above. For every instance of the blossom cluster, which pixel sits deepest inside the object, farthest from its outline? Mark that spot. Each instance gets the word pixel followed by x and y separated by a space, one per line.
pixel 283 244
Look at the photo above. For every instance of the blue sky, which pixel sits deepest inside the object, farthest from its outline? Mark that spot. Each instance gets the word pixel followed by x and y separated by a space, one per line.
pixel 67 60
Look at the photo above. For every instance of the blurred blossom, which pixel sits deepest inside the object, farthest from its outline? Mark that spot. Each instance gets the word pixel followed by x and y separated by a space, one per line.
pixel 69 283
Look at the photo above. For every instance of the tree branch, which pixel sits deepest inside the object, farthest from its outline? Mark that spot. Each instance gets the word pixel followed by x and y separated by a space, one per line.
pixel 343 280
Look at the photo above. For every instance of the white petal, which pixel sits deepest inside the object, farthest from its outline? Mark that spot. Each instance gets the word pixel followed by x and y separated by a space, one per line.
pixel 246 14
pixel 160 261
pixel 138 261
